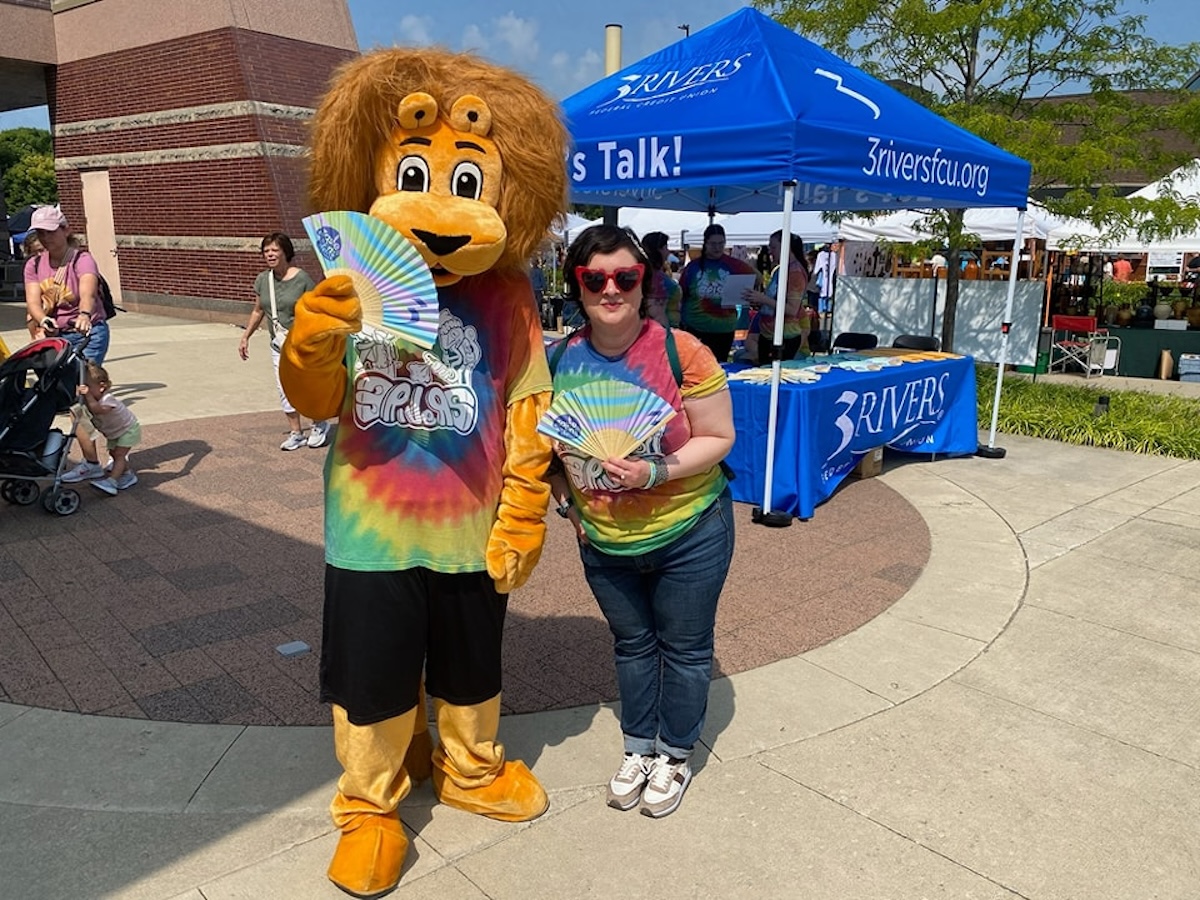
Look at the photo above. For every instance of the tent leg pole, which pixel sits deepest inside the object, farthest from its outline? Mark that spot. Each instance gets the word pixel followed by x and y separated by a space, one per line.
pixel 990 450
pixel 764 515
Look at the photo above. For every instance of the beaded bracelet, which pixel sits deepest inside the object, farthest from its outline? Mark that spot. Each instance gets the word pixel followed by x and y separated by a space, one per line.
pixel 658 474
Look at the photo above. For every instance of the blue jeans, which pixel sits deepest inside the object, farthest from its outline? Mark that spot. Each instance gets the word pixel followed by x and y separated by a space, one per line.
pixel 92 346
pixel 661 607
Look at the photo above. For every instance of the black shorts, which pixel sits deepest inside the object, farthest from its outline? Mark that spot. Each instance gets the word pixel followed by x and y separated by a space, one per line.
pixel 381 629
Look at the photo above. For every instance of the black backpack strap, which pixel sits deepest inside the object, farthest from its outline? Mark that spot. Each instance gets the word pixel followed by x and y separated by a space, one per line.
pixel 672 358
pixel 559 349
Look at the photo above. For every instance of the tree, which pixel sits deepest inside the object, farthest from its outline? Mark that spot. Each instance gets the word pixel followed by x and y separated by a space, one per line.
pixel 27 167
pixel 30 180
pixel 1003 69
pixel 16 143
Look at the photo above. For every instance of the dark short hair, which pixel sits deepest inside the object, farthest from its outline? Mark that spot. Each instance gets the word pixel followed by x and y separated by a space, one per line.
pixel 284 242
pixel 603 239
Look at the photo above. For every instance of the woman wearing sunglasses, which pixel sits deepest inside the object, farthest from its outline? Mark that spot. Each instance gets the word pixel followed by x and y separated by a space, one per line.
pixel 655 528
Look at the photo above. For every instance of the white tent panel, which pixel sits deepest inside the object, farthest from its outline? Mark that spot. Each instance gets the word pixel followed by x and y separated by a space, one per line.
pixel 994 224
pixel 1184 183
pixel 749 229
pixel 672 222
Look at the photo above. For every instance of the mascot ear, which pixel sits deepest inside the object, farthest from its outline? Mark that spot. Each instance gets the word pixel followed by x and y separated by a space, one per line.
pixel 417 110
pixel 470 114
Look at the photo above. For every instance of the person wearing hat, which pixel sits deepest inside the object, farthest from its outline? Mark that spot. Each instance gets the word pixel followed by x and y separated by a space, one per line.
pixel 62 288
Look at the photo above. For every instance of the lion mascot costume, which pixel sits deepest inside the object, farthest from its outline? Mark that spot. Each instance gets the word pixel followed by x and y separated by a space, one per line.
pixel 434 491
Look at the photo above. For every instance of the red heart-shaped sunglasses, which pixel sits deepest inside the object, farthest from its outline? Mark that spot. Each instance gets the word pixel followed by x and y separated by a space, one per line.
pixel 625 278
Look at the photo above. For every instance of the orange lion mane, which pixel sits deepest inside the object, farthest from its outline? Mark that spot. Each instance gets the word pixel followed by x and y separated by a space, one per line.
pixel 356 116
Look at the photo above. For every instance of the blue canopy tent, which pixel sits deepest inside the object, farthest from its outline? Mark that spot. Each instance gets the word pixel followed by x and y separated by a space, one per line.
pixel 747 115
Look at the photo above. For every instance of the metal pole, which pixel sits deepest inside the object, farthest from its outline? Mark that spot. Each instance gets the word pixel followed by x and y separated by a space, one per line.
pixel 764 515
pixel 991 451
pixel 612 63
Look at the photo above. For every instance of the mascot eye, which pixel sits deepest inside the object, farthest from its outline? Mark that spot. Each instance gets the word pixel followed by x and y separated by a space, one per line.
pixel 413 174
pixel 467 181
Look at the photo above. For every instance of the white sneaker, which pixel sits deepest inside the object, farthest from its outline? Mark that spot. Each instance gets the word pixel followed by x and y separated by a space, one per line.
pixel 625 788
pixel 668 780
pixel 318 435
pixel 108 485
pixel 294 441
pixel 83 471
pixel 127 480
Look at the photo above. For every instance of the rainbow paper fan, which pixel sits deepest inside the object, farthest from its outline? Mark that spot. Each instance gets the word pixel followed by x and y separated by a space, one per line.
pixel 390 276
pixel 606 418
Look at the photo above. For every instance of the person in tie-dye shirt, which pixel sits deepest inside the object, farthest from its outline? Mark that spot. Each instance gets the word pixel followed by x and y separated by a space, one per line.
pixel 655 528
pixel 702 282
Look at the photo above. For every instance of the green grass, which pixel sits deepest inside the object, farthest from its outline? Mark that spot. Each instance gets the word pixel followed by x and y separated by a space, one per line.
pixel 1135 421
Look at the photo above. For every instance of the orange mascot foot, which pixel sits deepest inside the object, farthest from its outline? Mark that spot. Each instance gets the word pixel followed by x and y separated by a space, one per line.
pixel 469 768
pixel 515 795
pixel 369 855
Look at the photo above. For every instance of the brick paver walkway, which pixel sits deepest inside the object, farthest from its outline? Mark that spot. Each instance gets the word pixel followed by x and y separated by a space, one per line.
pixel 167 602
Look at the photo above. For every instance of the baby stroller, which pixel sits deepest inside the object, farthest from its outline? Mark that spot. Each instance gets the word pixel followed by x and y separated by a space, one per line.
pixel 37 382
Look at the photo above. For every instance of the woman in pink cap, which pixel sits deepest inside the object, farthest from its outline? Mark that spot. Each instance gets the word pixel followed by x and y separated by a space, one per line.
pixel 62 288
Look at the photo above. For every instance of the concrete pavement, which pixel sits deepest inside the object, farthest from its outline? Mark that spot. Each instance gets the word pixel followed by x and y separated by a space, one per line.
pixel 1021 723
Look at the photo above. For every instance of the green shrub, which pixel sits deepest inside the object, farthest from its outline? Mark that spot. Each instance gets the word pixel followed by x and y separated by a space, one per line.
pixel 1124 293
pixel 1135 421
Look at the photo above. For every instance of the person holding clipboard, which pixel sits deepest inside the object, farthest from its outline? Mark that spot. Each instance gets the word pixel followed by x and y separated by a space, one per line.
pixel 797 317
pixel 705 312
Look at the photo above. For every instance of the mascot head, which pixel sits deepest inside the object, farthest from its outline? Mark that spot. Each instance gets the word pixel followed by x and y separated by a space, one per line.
pixel 464 158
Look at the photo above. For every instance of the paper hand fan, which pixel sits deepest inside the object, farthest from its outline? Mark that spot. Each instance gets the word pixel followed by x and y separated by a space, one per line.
pixel 605 418
pixel 390 276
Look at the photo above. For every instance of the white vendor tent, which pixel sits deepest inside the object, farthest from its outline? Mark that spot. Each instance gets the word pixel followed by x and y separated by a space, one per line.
pixel 755 228
pixel 1183 183
pixel 992 224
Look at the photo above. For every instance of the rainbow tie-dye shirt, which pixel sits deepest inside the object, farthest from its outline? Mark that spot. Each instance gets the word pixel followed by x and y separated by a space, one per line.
pixel 702 282
pixel 625 521
pixel 415 472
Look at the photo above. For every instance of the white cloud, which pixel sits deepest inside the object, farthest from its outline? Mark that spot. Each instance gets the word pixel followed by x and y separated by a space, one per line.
pixel 510 39
pixel 473 39
pixel 519 36
pixel 569 73
pixel 415 29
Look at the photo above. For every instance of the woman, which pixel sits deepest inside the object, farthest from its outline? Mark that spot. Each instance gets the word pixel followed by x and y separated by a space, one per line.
pixel 796 315
pixel 62 288
pixel 276 290
pixel 662 299
pixel 655 529
pixel 702 282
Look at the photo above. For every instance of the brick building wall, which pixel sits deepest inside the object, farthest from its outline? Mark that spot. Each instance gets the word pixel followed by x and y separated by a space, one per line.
pixel 202 137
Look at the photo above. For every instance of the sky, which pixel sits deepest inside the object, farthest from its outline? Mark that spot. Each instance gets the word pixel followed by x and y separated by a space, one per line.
pixel 561 45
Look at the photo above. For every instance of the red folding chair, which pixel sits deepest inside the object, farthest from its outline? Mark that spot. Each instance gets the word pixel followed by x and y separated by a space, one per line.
pixel 1071 343
pixel 1076 341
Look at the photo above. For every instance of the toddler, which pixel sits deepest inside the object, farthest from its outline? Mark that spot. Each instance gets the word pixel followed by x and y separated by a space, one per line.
pixel 121 431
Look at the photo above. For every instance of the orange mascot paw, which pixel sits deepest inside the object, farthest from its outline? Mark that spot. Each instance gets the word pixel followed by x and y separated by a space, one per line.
pixel 369 855
pixel 515 543
pixel 311 366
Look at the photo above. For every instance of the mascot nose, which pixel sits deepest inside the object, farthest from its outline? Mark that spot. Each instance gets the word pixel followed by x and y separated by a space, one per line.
pixel 441 244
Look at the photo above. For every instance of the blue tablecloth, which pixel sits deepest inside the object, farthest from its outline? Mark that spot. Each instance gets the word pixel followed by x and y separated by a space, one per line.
pixel 824 428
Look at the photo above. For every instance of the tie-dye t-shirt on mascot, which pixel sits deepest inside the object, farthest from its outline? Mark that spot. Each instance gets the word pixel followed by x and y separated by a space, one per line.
pixel 435 491
pixel 623 521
